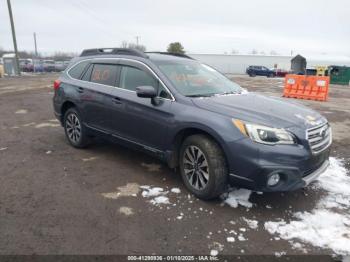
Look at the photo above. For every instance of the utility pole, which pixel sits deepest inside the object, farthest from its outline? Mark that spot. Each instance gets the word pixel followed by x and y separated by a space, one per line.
pixel 137 40
pixel 13 36
pixel 36 47
pixel 35 53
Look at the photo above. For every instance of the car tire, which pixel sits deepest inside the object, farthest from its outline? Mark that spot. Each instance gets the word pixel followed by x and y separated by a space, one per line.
pixel 75 131
pixel 270 75
pixel 208 179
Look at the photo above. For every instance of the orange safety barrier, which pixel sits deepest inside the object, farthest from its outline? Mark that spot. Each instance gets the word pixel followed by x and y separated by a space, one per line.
pixel 306 87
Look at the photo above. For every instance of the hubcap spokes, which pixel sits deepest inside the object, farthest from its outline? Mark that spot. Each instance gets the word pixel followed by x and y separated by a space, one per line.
pixel 196 167
pixel 73 128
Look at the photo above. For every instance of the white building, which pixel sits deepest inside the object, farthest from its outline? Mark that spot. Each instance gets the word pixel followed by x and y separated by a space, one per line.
pixel 237 64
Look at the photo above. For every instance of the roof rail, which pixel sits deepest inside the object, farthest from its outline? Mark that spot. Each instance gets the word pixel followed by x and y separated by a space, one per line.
pixel 173 54
pixel 113 51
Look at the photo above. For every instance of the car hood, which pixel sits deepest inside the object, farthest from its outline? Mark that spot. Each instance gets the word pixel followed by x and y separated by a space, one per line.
pixel 263 110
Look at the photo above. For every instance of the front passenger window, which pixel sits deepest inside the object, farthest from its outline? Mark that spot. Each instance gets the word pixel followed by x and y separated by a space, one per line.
pixel 132 77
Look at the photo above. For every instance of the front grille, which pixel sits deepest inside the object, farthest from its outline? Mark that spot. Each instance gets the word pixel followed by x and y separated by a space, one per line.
pixel 319 137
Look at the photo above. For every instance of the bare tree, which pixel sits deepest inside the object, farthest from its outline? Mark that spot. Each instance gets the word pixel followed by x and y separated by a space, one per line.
pixel 234 52
pixel 124 44
pixel 254 52
pixel 138 47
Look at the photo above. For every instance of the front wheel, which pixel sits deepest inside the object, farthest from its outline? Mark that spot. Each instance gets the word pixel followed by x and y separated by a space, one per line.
pixel 74 129
pixel 203 167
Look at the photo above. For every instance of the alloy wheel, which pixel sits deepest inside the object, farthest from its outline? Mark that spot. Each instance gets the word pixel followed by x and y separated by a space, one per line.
pixel 196 167
pixel 73 128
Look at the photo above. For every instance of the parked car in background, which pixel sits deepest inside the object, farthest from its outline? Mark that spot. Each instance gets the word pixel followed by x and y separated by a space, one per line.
pixel 194 118
pixel 49 65
pixel 260 71
pixel 26 65
pixel 60 66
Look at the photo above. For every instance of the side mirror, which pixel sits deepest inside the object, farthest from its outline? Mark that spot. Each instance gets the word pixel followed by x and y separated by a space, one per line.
pixel 146 92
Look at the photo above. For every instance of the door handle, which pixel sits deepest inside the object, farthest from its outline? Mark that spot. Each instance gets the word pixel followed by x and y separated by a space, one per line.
pixel 80 90
pixel 117 100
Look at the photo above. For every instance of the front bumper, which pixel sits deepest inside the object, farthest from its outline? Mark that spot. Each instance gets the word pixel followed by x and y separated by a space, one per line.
pixel 297 166
pixel 314 175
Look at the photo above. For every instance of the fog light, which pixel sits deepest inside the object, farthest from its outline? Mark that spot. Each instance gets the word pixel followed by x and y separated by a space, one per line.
pixel 273 179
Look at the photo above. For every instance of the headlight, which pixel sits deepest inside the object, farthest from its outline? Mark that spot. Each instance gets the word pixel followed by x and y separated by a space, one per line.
pixel 264 134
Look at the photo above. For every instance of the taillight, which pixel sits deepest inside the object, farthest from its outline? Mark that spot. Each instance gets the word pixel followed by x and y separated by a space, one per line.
pixel 56 84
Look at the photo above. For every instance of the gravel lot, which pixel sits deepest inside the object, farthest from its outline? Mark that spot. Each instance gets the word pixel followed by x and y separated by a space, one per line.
pixel 55 199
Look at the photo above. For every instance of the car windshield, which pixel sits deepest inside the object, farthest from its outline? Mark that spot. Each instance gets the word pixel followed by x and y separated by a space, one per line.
pixel 194 79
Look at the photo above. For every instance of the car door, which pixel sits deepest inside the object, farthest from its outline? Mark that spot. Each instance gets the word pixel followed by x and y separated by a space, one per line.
pixel 265 71
pixel 99 81
pixel 259 71
pixel 145 121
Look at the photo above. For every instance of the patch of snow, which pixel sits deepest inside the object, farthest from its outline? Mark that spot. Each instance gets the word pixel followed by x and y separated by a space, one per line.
pixel 241 238
pixel 230 239
pixel 216 247
pixel 89 159
pixel 175 190
pixel 160 200
pixel 29 124
pixel 335 180
pixel 153 192
pixel 238 197
pixel 253 224
pixel 126 211
pixel 46 125
pixel 323 227
pixel 3 148
pixel 48 152
pixel 214 252
pixel 279 254
pixel 21 111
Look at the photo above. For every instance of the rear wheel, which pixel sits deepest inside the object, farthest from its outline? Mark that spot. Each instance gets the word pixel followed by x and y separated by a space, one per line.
pixel 203 167
pixel 75 131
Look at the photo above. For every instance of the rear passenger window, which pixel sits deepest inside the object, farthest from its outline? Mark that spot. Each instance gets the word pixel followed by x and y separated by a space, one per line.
pixel 104 74
pixel 132 77
pixel 77 70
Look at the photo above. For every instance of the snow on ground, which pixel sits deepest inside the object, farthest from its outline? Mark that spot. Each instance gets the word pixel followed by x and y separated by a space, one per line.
pixel 214 252
pixel 160 200
pixel 328 225
pixel 176 190
pixel 237 197
pixel 157 194
pixel 152 192
pixel 253 224
pixel 21 111
pixel 230 239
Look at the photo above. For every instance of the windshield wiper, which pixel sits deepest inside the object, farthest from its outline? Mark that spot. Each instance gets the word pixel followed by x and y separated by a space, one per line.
pixel 201 95
pixel 230 93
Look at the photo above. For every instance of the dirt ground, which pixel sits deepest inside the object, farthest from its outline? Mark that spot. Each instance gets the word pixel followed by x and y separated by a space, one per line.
pixel 55 199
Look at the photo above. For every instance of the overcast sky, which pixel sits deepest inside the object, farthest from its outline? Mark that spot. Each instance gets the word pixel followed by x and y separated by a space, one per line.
pixel 202 26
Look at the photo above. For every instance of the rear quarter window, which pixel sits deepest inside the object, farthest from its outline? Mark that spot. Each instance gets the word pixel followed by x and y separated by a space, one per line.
pixel 77 70
pixel 104 74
